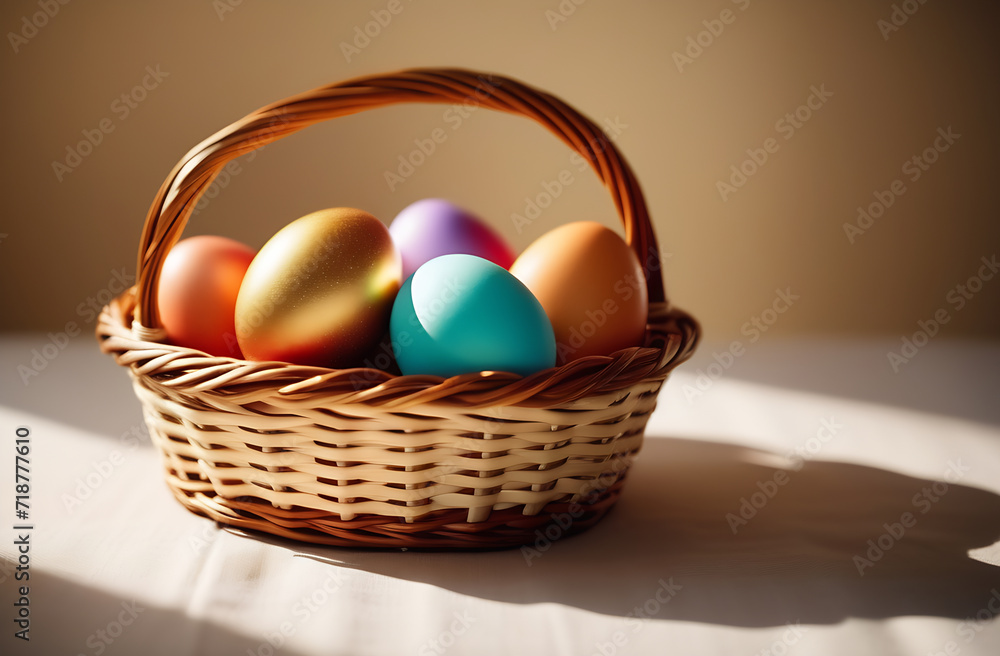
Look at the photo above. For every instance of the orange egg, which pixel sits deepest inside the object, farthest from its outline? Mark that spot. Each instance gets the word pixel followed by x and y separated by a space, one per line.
pixel 592 287
pixel 197 293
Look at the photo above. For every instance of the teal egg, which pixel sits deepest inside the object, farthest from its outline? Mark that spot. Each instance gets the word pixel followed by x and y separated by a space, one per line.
pixel 460 313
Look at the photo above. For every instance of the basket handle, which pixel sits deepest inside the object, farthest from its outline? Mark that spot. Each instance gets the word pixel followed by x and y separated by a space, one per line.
pixel 192 176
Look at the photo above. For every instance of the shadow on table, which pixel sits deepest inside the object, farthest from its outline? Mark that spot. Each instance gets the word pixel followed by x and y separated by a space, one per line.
pixel 816 545
pixel 951 377
pixel 70 618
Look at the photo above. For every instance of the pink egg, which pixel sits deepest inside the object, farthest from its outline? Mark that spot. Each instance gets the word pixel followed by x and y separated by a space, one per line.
pixel 197 293
pixel 433 227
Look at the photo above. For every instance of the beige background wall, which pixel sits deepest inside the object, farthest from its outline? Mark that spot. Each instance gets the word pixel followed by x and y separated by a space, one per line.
pixel 682 130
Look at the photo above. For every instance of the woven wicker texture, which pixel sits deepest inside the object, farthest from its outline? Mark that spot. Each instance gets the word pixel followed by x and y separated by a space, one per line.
pixel 363 457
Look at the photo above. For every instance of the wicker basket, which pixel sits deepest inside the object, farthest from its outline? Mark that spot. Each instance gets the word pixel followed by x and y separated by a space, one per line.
pixel 361 457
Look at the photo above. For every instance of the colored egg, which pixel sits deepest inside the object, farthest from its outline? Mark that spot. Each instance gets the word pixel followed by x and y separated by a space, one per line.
pixel 592 287
pixel 320 291
pixel 433 227
pixel 460 313
pixel 197 291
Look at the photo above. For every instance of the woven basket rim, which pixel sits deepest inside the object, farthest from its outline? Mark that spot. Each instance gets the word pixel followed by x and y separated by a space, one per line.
pixel 671 341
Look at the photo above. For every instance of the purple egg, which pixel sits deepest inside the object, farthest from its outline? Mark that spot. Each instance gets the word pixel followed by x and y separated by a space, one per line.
pixel 433 227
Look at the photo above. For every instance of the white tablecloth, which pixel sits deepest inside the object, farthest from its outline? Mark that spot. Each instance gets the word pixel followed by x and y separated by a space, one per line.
pixel 809 500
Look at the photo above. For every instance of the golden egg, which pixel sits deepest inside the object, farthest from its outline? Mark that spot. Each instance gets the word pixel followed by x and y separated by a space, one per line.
pixel 320 291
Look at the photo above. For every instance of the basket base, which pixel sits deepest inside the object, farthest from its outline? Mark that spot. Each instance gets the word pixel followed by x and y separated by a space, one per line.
pixel 447 530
